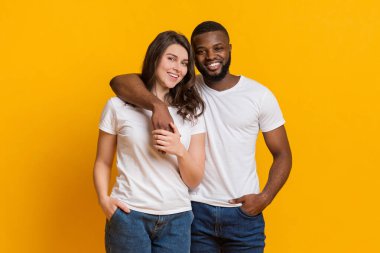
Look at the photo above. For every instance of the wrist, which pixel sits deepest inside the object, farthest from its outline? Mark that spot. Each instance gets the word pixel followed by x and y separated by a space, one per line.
pixel 266 197
pixel 102 199
pixel 181 151
pixel 157 105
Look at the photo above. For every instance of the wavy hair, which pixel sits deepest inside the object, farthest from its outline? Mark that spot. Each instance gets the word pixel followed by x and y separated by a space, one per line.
pixel 185 95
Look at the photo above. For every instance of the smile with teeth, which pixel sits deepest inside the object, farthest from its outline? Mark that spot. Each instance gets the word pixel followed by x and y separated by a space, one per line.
pixel 213 65
pixel 173 75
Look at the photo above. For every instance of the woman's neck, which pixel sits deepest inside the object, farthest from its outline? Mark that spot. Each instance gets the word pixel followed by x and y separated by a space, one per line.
pixel 160 92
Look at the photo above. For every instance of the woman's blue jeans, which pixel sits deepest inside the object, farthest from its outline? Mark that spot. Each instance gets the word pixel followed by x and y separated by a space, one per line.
pixel 138 232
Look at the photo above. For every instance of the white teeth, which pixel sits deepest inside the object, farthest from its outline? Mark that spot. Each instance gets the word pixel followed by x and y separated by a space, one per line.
pixel 213 66
pixel 173 75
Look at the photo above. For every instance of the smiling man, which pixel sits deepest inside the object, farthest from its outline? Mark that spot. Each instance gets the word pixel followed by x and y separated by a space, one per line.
pixel 228 203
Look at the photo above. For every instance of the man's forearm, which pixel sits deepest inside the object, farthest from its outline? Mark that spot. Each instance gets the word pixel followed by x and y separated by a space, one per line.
pixel 278 174
pixel 130 88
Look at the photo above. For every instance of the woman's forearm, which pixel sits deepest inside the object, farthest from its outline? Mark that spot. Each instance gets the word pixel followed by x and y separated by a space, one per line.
pixel 191 171
pixel 102 174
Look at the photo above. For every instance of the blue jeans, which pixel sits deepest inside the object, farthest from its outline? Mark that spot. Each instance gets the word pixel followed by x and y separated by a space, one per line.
pixel 139 232
pixel 226 229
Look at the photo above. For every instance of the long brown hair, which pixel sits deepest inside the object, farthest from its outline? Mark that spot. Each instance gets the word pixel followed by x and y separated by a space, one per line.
pixel 185 95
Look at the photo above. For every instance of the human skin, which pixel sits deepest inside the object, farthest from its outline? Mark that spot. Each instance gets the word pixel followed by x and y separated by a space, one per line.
pixel 170 71
pixel 212 52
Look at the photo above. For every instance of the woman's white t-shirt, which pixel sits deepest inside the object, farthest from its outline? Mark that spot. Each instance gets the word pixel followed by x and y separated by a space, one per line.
pixel 147 180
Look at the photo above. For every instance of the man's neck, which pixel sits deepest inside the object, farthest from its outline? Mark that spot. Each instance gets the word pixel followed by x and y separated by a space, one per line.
pixel 226 83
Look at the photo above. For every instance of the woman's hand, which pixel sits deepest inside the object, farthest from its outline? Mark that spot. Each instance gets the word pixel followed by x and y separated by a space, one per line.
pixel 109 206
pixel 168 142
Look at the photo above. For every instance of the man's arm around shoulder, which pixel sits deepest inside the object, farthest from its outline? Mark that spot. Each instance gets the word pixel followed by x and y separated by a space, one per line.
pixel 130 88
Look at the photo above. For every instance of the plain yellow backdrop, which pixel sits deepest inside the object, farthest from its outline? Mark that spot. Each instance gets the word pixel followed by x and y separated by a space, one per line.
pixel 320 58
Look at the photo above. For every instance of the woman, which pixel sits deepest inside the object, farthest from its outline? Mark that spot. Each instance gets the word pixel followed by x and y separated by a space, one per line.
pixel 149 208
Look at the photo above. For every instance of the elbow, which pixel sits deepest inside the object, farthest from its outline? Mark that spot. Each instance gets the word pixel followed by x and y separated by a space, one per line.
pixel 115 83
pixel 193 185
pixel 196 180
pixel 283 156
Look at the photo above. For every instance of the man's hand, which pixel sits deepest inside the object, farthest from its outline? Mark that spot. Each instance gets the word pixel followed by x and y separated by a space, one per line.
pixel 161 117
pixel 130 88
pixel 252 204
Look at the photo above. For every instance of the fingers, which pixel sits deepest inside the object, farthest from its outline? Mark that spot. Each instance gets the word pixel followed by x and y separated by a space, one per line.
pixel 161 143
pixel 237 200
pixel 163 127
pixel 175 130
pixel 161 132
pixel 160 137
pixel 123 206
pixel 160 148
pixel 165 132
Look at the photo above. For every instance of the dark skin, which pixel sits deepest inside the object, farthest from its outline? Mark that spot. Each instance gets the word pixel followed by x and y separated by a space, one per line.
pixel 214 47
pixel 131 88
pixel 212 52
pixel 277 143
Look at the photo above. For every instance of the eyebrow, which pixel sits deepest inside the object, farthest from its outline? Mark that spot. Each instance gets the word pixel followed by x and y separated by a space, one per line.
pixel 172 54
pixel 215 45
pixel 176 56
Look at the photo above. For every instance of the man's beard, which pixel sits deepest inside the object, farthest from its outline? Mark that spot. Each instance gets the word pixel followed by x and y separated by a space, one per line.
pixel 214 78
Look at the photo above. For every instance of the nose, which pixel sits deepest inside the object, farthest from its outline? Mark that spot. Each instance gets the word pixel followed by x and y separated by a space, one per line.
pixel 176 66
pixel 210 54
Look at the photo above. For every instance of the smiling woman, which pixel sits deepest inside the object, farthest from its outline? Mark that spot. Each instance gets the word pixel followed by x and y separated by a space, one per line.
pixel 171 69
pixel 149 207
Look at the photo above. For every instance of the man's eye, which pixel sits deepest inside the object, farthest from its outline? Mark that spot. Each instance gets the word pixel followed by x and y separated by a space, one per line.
pixel 200 52
pixel 218 49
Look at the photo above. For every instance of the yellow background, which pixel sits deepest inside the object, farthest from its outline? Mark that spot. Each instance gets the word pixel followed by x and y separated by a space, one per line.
pixel 320 58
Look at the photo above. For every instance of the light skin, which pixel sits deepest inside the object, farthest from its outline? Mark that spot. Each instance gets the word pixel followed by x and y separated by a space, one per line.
pixel 212 51
pixel 170 71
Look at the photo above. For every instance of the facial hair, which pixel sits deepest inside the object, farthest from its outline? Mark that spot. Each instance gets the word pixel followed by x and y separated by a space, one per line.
pixel 218 77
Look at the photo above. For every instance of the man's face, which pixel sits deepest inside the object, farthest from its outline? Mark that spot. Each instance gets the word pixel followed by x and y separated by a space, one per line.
pixel 212 54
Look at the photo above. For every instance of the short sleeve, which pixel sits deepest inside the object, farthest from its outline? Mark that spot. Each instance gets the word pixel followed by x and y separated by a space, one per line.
pixel 270 116
pixel 108 119
pixel 199 126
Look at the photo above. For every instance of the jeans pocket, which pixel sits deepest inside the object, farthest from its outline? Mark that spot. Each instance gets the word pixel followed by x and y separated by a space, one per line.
pixel 246 215
pixel 114 215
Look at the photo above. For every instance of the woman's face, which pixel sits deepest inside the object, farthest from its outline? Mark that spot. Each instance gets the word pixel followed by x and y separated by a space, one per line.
pixel 172 66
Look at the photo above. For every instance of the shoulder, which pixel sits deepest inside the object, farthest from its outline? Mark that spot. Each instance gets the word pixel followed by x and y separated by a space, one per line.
pixel 117 104
pixel 253 86
pixel 199 81
pixel 115 101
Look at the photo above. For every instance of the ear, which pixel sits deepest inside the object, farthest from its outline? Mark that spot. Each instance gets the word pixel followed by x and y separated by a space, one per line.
pixel 230 46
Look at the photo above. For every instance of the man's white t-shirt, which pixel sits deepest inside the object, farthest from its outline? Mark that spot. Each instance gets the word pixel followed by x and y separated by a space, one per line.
pixel 147 180
pixel 233 119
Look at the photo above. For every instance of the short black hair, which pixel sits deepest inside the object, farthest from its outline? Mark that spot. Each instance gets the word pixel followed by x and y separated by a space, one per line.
pixel 208 26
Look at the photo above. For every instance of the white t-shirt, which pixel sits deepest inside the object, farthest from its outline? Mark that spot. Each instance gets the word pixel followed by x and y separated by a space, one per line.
pixel 147 180
pixel 233 119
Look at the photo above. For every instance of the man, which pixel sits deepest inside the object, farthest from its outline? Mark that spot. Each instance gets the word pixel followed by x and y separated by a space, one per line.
pixel 228 204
